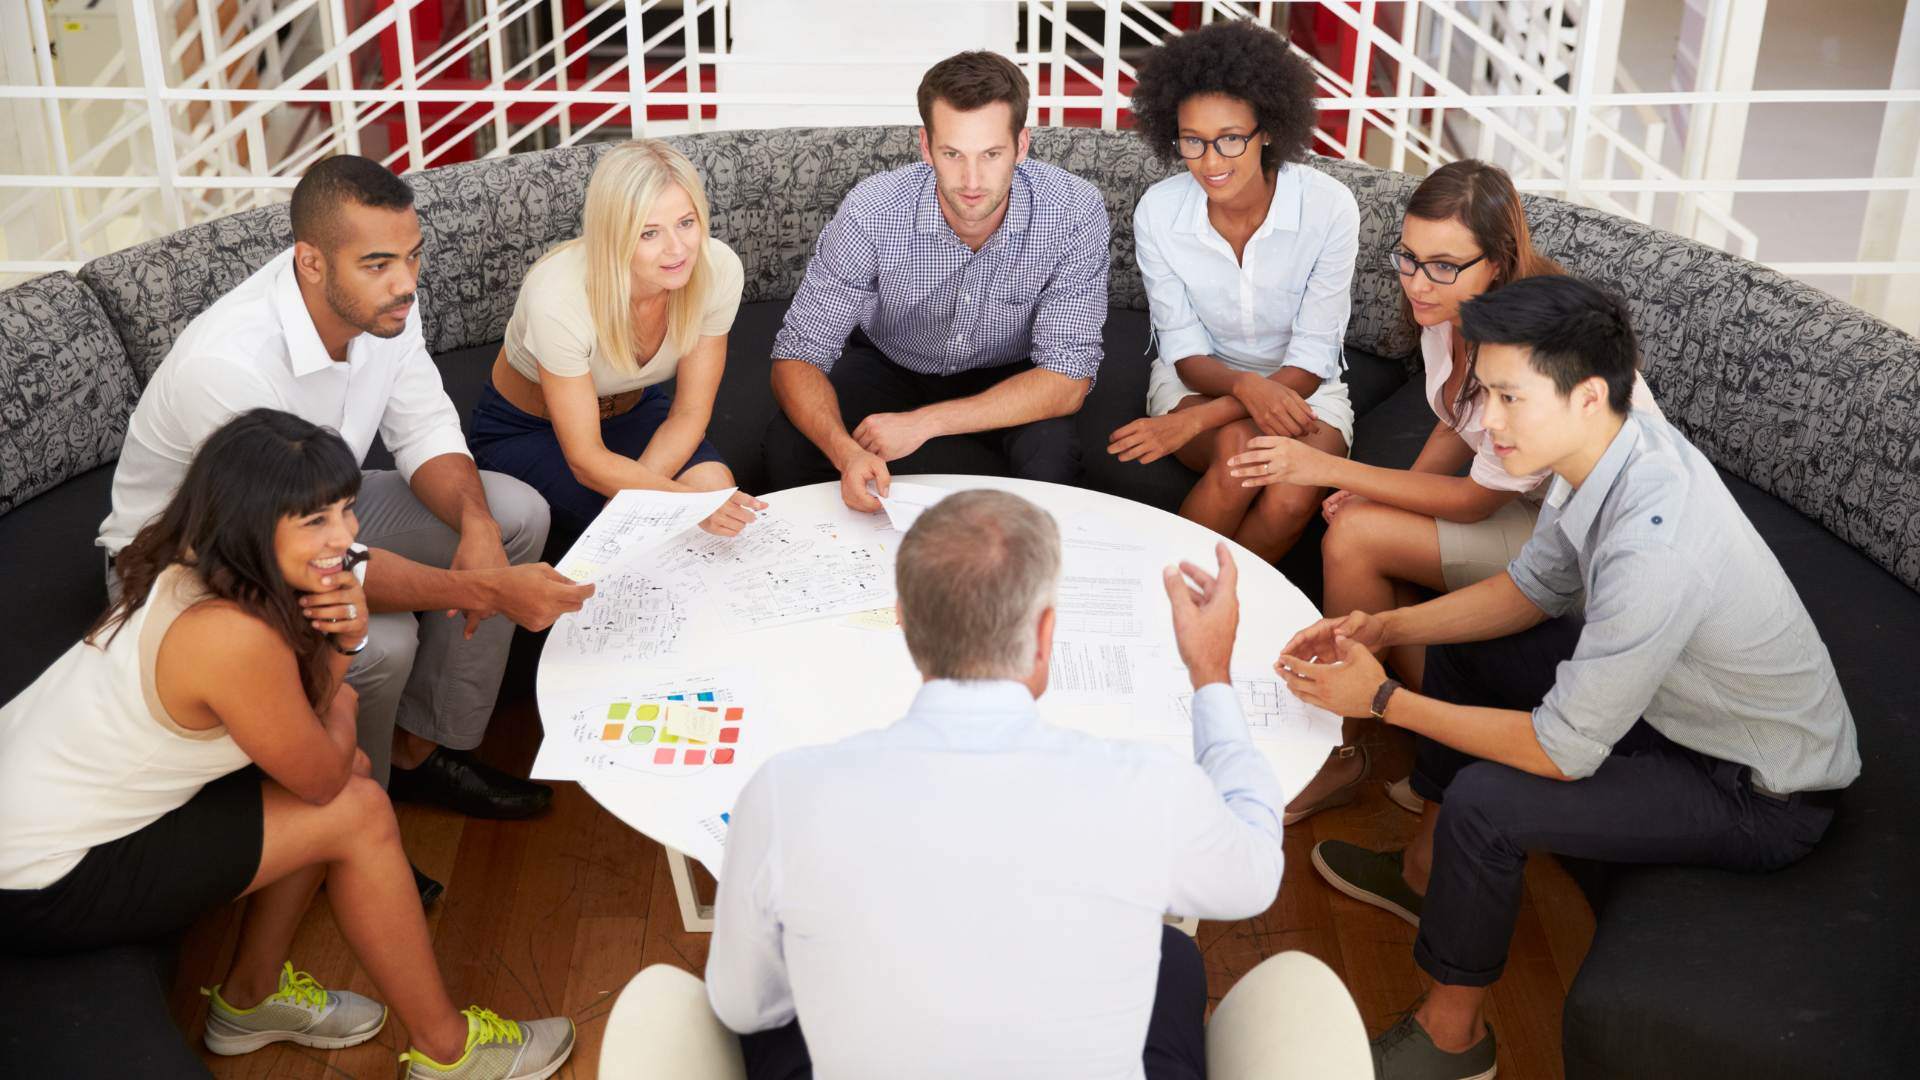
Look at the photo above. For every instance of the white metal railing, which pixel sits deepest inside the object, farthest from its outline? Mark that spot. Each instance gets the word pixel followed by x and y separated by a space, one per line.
pixel 275 85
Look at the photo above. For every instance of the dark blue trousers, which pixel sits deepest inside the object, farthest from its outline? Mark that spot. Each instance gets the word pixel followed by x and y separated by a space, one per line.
pixel 1176 1033
pixel 866 382
pixel 1651 801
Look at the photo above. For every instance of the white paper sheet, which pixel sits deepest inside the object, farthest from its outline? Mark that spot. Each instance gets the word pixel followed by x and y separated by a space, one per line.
pixel 1271 711
pixel 1104 598
pixel 1107 672
pixel 708 558
pixel 631 523
pixel 632 618
pixel 905 503
pixel 830 581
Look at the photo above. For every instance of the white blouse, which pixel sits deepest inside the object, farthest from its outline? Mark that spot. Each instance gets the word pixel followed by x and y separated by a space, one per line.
pixel 1284 304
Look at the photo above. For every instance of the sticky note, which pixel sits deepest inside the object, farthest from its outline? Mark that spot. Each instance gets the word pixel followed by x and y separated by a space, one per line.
pixel 640 734
pixel 667 737
pixel 692 724
pixel 734 716
pixel 730 735
pixel 617 710
pixel 696 757
pixel 663 757
pixel 706 695
pixel 723 756
pixel 647 713
pixel 611 733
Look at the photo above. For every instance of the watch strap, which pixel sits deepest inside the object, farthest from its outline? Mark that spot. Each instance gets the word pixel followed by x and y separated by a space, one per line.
pixel 1381 695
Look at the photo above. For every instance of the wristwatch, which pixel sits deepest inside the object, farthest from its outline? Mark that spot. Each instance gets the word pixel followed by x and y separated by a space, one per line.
pixel 355 651
pixel 1380 697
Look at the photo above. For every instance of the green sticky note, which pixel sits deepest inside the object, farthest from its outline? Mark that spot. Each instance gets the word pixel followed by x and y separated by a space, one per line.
pixel 666 738
pixel 640 734
pixel 618 711
pixel 647 713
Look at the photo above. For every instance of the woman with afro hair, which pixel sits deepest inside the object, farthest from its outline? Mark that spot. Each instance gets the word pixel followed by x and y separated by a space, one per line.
pixel 1247 256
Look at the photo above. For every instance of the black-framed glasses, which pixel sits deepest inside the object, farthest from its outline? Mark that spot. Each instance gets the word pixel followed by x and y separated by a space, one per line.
pixel 1227 146
pixel 1438 271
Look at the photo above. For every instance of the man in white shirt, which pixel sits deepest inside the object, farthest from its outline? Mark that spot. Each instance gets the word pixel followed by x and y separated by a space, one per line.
pixel 972 892
pixel 328 330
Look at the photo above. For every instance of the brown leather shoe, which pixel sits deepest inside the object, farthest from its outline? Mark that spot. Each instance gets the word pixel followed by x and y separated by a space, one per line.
pixel 1339 796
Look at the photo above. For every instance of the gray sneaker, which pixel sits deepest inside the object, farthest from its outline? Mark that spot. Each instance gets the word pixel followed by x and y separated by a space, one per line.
pixel 500 1050
pixel 1371 877
pixel 301 1011
pixel 1405 1052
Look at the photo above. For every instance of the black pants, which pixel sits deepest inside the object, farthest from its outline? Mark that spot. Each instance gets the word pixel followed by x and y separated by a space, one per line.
pixel 1176 1033
pixel 1651 801
pixel 866 382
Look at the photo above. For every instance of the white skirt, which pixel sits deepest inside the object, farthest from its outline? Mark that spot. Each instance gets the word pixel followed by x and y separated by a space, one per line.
pixel 1330 403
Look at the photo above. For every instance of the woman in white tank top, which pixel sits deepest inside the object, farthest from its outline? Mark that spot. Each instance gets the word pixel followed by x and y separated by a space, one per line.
pixel 124 808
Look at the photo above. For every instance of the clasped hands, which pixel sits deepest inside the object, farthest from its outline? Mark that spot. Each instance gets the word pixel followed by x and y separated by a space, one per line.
pixel 1331 663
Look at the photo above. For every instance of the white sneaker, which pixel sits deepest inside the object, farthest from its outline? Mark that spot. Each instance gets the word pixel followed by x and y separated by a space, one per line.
pixel 1402 793
pixel 301 1011
pixel 500 1050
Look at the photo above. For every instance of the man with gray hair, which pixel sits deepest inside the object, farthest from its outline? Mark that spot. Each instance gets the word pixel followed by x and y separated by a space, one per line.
pixel 972 892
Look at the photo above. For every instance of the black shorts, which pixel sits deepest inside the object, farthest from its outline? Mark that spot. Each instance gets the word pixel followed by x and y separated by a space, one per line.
pixel 148 884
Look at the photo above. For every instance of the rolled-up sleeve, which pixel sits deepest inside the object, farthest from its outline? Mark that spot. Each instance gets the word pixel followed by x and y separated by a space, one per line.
pixel 1072 308
pixel 1320 323
pixel 1176 325
pixel 840 291
pixel 420 422
pixel 1547 572
pixel 1226 819
pixel 1645 604
pixel 747 982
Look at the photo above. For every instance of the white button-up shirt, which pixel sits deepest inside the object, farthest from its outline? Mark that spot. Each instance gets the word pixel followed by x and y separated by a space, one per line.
pixel 1284 304
pixel 256 347
pixel 972 892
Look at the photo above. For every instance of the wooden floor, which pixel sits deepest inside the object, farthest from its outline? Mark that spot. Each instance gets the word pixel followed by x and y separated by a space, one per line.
pixel 553 916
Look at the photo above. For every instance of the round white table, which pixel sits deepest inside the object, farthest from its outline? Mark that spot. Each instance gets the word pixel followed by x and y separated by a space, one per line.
pixel 820 680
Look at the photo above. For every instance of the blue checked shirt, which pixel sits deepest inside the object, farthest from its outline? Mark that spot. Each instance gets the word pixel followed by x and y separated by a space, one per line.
pixel 890 264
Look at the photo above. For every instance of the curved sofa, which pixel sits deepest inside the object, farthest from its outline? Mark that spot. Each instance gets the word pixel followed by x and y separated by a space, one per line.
pixel 1810 407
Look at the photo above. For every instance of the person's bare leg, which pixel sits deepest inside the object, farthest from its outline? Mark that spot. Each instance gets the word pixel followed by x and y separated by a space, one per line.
pixel 370 887
pixel 1454 1016
pixel 1281 512
pixel 266 936
pixel 1372 552
pixel 1416 864
pixel 1217 500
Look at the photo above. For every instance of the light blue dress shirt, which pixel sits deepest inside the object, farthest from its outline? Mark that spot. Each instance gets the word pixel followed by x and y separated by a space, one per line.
pixel 1690 622
pixel 972 892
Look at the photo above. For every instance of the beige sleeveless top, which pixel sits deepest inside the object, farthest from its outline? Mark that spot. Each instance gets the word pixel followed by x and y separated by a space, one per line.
pixel 88 754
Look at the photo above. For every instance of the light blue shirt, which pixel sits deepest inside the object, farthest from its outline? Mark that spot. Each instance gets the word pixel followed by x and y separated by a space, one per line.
pixel 1689 622
pixel 972 892
pixel 1284 304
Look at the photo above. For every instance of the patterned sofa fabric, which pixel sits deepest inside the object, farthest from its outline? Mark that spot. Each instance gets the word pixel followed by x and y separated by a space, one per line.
pixel 152 290
pixel 66 388
pixel 1807 397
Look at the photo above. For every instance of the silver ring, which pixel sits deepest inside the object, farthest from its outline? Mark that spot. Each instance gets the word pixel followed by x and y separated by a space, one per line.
pixel 352 613
pixel 1269 468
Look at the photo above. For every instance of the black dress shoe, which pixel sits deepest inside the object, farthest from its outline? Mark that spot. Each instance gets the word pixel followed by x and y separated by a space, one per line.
pixel 461 782
pixel 430 889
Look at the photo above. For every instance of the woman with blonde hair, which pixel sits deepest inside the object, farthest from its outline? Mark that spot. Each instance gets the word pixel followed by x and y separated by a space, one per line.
pixel 579 404
pixel 1391 532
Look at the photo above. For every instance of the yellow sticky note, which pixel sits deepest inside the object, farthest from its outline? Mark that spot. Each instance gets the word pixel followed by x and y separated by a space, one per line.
pixel 878 619
pixel 694 725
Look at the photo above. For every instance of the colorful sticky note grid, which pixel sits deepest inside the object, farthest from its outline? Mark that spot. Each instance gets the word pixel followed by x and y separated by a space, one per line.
pixel 647 714
pixel 611 733
pixel 734 716
pixel 695 757
pixel 617 710
pixel 641 733
pixel 663 757
pixel 723 756
pixel 730 735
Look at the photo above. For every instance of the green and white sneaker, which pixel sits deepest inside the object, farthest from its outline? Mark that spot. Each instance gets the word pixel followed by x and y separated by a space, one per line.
pixel 301 1011
pixel 500 1050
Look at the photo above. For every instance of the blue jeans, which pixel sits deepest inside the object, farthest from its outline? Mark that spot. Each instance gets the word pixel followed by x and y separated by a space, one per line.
pixel 507 439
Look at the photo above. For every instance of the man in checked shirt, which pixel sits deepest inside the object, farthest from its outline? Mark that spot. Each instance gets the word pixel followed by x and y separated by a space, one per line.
pixel 950 319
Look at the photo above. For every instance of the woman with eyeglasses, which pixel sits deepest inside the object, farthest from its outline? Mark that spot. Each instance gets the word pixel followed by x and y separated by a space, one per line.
pixel 1393 532
pixel 1247 257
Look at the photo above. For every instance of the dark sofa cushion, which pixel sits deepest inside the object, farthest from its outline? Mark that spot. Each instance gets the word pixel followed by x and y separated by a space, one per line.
pixel 53 573
pixel 66 388
pixel 93 1016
